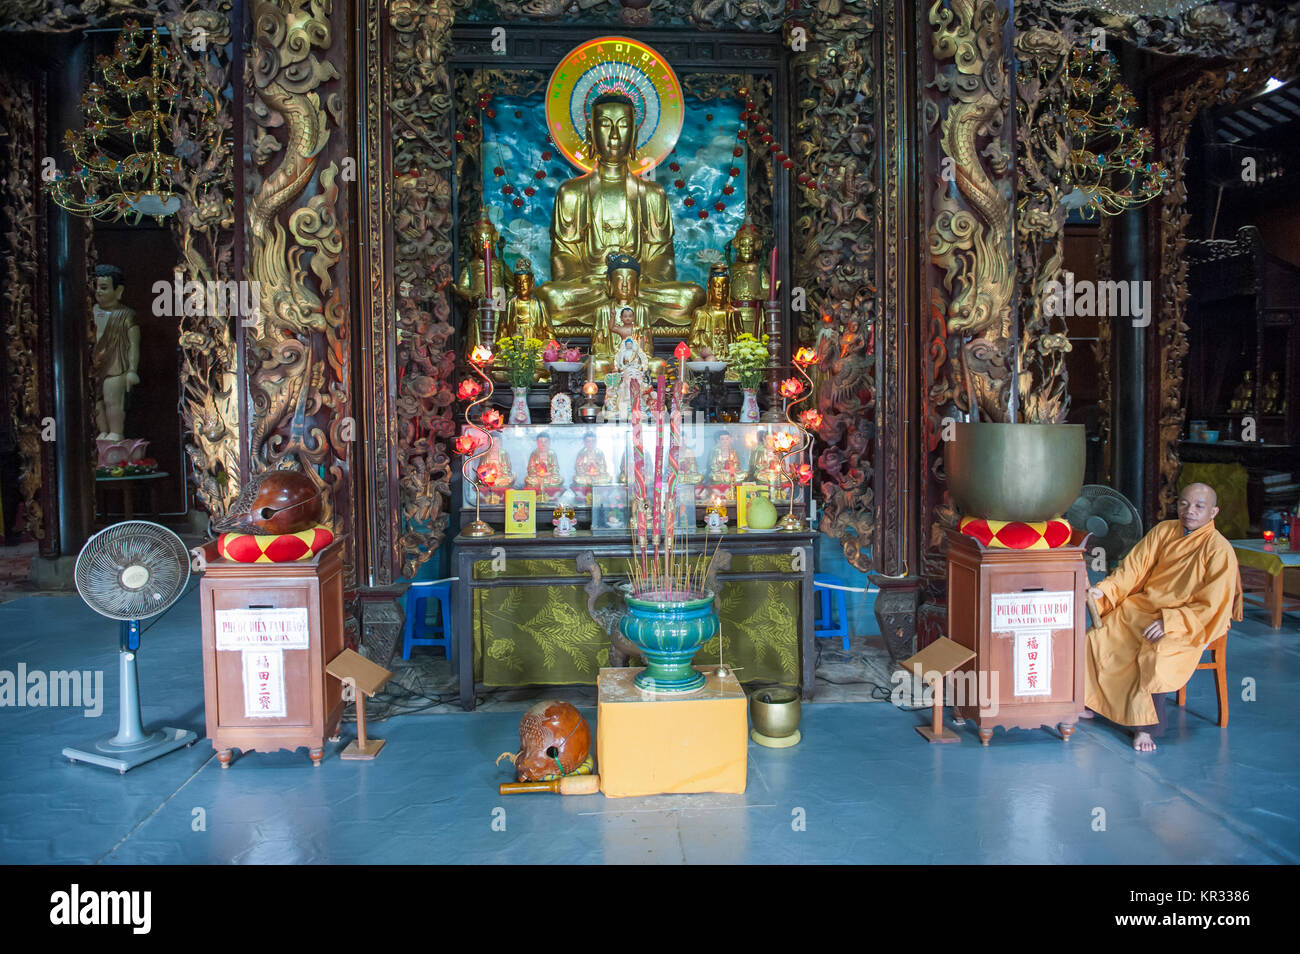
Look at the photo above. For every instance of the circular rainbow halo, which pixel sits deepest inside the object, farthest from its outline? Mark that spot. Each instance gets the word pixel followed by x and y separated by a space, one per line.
pixel 615 64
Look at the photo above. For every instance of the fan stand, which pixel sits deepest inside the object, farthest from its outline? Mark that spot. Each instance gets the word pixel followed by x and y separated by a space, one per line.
pixel 132 745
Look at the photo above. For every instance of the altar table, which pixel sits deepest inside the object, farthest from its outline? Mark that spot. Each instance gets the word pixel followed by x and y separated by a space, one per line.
pixel 523 620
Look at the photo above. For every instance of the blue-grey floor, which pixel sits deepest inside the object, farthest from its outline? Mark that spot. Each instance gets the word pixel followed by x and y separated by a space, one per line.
pixel 861 786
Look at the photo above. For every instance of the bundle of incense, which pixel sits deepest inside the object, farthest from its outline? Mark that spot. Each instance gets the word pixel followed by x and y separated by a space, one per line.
pixel 657 503
pixel 638 464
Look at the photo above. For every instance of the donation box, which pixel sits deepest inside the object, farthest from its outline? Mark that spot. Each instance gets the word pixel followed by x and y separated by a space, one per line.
pixel 269 629
pixel 1023 614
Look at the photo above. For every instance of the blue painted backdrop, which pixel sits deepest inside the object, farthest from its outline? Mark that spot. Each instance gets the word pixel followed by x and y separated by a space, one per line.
pixel 515 140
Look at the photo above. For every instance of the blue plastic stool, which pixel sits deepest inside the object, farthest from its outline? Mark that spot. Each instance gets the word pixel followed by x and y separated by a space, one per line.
pixel 419 633
pixel 825 624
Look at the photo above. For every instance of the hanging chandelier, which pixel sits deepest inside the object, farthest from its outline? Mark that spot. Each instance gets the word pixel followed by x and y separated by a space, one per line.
pixel 1128 8
pixel 109 179
pixel 1109 166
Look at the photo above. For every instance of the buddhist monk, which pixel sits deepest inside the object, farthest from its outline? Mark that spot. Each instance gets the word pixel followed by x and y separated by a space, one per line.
pixel 1173 594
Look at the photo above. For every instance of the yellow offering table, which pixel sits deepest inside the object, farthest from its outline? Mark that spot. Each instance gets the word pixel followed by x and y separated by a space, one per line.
pixel 649 744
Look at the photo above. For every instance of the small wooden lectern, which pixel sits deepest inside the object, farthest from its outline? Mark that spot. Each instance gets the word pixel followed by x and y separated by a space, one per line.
pixel 366 678
pixel 935 662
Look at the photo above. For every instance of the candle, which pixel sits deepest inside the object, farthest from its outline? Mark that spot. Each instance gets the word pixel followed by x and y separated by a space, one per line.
pixel 487 271
pixel 1268 536
pixel 771 279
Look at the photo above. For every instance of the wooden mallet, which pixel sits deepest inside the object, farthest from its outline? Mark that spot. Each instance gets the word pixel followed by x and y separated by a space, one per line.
pixel 568 785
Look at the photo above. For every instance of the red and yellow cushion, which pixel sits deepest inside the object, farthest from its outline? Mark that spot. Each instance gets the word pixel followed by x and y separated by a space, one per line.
pixel 274 547
pixel 1017 535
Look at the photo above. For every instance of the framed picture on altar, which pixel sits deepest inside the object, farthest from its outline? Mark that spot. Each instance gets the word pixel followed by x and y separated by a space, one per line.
pixel 521 511
pixel 609 508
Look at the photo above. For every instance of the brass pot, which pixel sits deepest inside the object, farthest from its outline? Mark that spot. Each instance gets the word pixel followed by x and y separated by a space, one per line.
pixel 775 712
pixel 1028 472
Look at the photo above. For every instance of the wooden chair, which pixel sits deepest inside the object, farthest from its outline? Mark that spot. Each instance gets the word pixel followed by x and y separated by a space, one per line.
pixel 1218 651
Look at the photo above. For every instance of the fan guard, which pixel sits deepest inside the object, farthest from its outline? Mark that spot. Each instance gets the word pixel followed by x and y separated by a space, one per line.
pixel 1113 521
pixel 132 570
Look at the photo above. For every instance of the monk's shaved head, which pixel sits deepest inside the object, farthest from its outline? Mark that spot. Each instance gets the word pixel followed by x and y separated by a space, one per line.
pixel 1203 488
pixel 1197 505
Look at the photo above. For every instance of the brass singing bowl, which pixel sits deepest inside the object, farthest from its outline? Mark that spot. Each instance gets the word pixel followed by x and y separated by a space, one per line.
pixel 775 712
pixel 1028 472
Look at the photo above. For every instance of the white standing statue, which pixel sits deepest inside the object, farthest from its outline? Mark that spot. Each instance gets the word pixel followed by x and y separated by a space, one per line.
pixel 631 364
pixel 116 358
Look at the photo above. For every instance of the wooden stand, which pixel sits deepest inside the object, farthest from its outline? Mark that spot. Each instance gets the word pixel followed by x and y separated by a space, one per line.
pixel 979 579
pixel 934 663
pixel 366 678
pixel 309 707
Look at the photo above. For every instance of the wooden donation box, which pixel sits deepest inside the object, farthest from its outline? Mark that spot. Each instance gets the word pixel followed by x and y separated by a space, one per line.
pixel 1023 614
pixel 269 629
pixel 648 744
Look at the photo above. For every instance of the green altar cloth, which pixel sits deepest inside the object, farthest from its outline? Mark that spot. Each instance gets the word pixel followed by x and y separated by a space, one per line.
pixel 543 635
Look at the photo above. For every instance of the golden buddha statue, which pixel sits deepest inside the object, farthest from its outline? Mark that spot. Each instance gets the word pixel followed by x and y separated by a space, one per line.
pixel 495 473
pixel 715 324
pixel 1270 395
pixel 525 314
pixel 611 209
pixel 749 282
pixel 765 465
pixel 544 474
pixel 688 469
pixel 724 463
pixel 590 467
pixel 470 287
pixel 1244 395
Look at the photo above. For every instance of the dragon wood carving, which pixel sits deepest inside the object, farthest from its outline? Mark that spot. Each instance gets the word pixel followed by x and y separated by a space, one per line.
pixel 300 385
pixel 971 244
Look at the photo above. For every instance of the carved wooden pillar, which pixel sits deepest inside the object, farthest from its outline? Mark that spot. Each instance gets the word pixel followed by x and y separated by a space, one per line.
pixel 900 458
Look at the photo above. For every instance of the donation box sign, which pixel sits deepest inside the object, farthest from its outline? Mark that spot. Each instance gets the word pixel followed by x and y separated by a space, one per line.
pixel 262 635
pixel 1030 618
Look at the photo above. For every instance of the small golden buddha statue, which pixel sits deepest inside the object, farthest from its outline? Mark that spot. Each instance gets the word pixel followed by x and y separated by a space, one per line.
pixel 1269 396
pixel 688 469
pixel 590 467
pixel 470 287
pixel 544 473
pixel 765 465
pixel 749 282
pixel 495 473
pixel 1244 394
pixel 715 324
pixel 525 314
pixel 612 209
pixel 724 465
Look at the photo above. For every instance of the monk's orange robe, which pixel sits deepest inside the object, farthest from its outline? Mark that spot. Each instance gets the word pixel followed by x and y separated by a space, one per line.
pixel 1191 584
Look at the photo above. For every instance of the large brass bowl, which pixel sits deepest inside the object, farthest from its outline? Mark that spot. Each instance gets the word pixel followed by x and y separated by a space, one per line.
pixel 775 712
pixel 1026 472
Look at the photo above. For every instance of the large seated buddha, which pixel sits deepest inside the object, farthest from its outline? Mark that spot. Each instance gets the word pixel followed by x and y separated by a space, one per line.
pixel 612 210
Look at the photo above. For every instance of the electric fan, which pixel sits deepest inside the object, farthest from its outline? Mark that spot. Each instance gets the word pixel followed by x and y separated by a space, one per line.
pixel 1108 515
pixel 130 572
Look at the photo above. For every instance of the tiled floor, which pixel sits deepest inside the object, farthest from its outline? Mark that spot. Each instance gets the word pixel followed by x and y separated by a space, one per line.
pixel 861 786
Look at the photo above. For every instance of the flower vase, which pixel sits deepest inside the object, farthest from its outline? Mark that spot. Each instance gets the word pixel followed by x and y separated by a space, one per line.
pixel 519 408
pixel 749 407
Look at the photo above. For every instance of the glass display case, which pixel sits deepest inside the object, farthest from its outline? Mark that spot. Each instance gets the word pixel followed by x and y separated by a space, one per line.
pixel 592 466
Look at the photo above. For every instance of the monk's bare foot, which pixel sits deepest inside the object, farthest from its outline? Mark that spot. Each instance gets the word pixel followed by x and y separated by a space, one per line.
pixel 1142 742
pixel 1087 714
